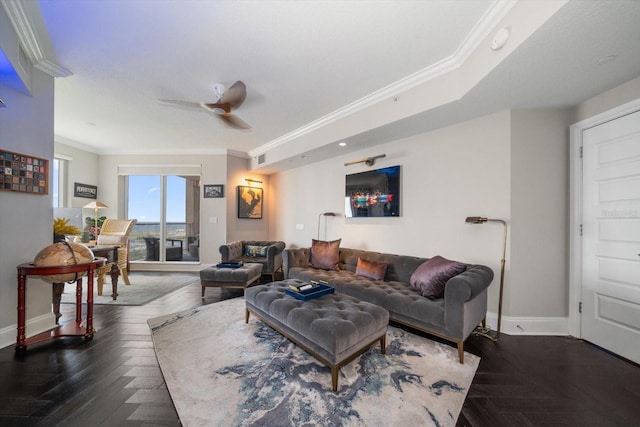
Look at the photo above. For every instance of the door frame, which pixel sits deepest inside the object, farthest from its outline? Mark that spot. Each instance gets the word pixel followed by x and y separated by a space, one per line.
pixel 576 208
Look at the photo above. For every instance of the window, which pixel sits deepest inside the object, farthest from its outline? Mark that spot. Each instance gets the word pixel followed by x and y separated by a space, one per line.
pixel 59 179
pixel 167 209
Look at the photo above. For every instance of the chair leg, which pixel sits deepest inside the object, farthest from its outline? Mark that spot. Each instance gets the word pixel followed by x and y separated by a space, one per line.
pixel 125 276
pixel 101 275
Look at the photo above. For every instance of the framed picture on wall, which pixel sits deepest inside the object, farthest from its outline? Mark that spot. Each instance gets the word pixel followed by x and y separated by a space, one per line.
pixel 213 191
pixel 249 202
pixel 23 173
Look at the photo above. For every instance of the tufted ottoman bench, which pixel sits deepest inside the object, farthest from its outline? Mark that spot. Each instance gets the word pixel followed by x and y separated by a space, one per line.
pixel 334 328
pixel 239 278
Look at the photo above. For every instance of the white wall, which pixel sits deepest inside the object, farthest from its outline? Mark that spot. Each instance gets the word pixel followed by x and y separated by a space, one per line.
pixel 244 228
pixel 608 100
pixel 447 175
pixel 82 168
pixel 511 165
pixel 539 215
pixel 26 126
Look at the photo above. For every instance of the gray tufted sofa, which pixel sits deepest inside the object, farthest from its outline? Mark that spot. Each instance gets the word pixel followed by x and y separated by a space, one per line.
pixel 453 317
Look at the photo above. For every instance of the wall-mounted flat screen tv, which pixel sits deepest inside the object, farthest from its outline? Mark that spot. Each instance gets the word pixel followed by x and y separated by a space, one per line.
pixel 373 193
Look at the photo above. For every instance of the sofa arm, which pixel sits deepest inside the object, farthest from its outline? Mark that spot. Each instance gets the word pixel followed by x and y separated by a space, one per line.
pixel 298 257
pixel 231 251
pixel 274 256
pixel 466 286
pixel 465 301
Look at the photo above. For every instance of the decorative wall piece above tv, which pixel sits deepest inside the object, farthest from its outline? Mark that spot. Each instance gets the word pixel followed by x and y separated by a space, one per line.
pixel 373 193
pixel 23 173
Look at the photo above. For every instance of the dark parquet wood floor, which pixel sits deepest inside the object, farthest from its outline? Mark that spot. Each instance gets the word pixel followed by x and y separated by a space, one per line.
pixel 114 380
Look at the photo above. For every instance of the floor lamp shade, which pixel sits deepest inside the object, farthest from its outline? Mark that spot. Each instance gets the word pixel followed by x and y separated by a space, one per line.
pixel 481 220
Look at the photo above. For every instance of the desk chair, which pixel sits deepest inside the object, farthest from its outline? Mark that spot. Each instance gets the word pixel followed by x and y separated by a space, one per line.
pixel 116 232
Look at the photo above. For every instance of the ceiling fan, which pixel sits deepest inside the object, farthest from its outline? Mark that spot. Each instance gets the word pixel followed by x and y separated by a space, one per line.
pixel 227 99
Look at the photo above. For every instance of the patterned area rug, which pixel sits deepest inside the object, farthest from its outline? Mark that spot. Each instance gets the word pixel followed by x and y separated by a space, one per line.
pixel 221 371
pixel 144 288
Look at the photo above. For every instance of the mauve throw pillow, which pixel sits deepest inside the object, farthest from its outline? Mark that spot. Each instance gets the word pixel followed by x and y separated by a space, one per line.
pixel 371 269
pixel 431 276
pixel 325 255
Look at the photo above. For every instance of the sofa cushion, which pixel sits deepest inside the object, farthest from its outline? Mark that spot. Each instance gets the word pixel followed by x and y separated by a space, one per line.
pixel 371 269
pixel 431 277
pixel 255 251
pixel 325 255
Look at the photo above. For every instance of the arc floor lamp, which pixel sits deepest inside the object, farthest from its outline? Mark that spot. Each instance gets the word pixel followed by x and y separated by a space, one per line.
pixel 484 330
pixel 325 215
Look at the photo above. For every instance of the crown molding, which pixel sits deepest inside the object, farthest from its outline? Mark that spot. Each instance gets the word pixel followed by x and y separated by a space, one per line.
pixel 29 40
pixel 240 154
pixel 480 31
pixel 52 69
pixel 75 144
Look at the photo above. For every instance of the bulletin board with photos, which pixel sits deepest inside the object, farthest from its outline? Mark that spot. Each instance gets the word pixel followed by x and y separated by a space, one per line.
pixel 23 173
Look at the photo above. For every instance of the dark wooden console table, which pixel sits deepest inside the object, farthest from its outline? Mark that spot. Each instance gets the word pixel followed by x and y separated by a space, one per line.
pixel 71 328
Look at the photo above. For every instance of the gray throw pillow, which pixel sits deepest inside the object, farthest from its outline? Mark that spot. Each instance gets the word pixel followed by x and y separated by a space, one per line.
pixel 431 276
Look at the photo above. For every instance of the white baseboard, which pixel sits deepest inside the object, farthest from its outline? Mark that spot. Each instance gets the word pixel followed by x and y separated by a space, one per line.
pixel 530 325
pixel 9 334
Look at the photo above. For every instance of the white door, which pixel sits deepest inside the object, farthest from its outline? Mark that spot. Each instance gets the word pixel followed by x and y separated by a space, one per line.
pixel 611 236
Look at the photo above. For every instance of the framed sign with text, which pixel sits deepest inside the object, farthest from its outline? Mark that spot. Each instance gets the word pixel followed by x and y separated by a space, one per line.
pixel 85 190
pixel 23 173
pixel 214 191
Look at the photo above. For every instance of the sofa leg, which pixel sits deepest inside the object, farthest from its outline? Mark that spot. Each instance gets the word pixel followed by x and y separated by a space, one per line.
pixel 461 351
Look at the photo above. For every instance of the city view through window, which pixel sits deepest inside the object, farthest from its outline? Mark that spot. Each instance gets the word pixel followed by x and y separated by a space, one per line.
pixel 164 234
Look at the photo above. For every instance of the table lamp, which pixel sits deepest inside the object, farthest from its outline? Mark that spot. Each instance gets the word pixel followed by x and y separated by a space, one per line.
pixel 95 205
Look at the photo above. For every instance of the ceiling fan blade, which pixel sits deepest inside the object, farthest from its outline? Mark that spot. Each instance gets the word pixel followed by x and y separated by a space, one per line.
pixel 180 103
pixel 234 121
pixel 235 95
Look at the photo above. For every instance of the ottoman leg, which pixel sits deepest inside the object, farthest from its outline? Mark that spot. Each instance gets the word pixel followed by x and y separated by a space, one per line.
pixel 203 288
pixel 246 315
pixel 383 344
pixel 335 371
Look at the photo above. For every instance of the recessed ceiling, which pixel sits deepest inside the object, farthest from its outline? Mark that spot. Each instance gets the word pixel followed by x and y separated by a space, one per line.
pixel 304 60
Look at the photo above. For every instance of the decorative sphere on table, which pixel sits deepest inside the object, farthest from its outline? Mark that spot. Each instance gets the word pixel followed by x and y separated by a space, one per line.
pixel 63 254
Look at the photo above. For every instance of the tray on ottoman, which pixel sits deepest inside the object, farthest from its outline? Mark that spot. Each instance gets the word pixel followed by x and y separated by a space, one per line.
pixel 317 290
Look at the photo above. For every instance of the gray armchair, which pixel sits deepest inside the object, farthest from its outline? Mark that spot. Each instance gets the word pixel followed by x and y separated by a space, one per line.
pixel 267 253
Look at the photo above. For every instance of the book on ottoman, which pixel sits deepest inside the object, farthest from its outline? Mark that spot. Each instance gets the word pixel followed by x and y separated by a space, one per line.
pixel 230 264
